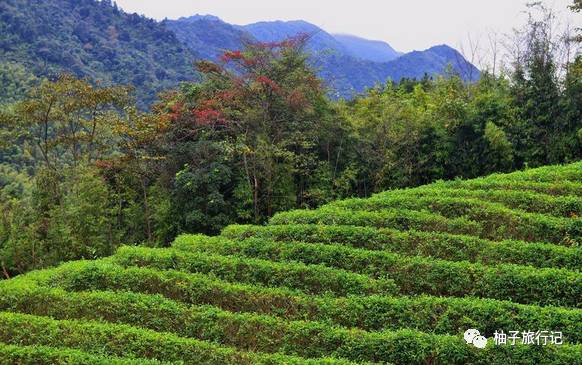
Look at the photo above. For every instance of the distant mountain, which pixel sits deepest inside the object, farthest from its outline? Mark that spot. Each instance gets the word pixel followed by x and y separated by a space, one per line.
pixel 350 64
pixel 347 76
pixel 376 51
pixel 93 39
pixel 275 31
pixel 433 61
pixel 207 35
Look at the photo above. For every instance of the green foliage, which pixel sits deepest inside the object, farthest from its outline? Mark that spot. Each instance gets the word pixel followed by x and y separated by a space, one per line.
pixel 34 355
pixel 415 276
pixel 15 82
pixel 64 218
pixel 68 121
pixel 200 191
pixel 92 39
pixel 495 220
pixel 558 206
pixel 311 279
pixel 410 243
pixel 501 149
pixel 409 135
pixel 389 346
pixel 130 342
pixel 194 321
pixel 68 294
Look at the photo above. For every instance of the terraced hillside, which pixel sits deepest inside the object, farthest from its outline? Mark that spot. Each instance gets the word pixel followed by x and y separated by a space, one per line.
pixel 397 278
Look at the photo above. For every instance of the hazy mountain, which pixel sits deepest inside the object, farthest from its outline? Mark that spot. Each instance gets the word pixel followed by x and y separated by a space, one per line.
pixel 350 64
pixel 347 76
pixel 432 61
pixel 275 31
pixel 376 51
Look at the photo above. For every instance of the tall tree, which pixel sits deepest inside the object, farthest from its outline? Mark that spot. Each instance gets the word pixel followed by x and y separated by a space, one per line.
pixel 67 213
pixel 537 90
pixel 68 120
pixel 262 109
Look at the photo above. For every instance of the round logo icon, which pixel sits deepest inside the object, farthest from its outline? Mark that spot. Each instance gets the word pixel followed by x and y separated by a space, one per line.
pixel 470 334
pixel 480 342
pixel 473 336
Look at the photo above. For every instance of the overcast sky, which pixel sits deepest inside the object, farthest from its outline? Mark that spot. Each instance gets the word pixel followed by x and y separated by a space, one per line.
pixel 405 24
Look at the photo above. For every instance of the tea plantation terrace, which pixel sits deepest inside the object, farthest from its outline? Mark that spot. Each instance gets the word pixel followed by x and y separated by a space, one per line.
pixel 396 278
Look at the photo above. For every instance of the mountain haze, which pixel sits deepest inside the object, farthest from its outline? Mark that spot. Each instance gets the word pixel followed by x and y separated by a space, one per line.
pixel 348 64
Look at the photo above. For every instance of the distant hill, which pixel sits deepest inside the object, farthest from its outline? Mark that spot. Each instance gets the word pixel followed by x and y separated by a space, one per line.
pixel 376 51
pixel 274 31
pixel 347 63
pixel 93 39
pixel 432 61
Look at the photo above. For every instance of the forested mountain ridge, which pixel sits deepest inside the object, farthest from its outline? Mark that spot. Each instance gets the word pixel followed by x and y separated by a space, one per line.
pixel 349 76
pixel 275 31
pixel 95 40
pixel 208 35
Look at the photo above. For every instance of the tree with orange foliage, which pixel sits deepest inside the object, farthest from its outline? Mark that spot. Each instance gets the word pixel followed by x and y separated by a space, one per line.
pixel 266 109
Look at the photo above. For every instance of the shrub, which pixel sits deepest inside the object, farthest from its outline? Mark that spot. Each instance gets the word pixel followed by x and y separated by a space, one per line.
pixel 130 342
pixel 415 275
pixel 314 279
pixel 36 355
pixel 442 315
pixel 497 222
pixel 431 244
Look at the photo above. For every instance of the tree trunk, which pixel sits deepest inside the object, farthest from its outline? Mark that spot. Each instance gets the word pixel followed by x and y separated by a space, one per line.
pixel 4 272
pixel 146 211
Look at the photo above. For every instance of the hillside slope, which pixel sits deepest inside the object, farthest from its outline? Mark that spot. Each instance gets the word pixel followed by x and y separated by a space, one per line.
pixel 208 36
pixel 396 278
pixel 95 40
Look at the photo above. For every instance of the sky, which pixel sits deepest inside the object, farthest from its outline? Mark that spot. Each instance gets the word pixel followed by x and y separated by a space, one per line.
pixel 405 24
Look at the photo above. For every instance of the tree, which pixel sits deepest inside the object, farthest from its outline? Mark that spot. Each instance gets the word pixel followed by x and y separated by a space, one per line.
pixel 68 120
pixel 537 92
pixel 61 218
pixel 66 212
pixel 258 111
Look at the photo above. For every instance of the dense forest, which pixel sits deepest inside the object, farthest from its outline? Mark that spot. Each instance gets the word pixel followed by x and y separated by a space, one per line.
pixel 92 39
pixel 84 169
